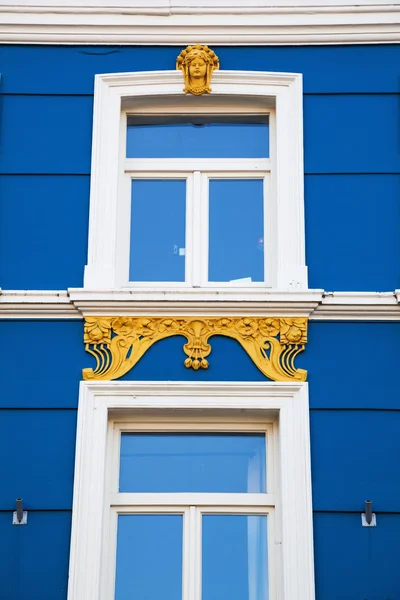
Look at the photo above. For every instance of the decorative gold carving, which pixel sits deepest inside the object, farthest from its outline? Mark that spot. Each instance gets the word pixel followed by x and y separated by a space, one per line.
pixel 118 343
pixel 197 64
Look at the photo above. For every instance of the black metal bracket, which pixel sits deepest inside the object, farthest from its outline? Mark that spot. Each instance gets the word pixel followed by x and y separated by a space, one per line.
pixel 368 519
pixel 20 516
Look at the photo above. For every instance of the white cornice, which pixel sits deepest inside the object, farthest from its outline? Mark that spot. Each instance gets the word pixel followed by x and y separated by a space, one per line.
pixel 198 303
pixel 358 306
pixel 319 306
pixel 178 22
pixel 37 304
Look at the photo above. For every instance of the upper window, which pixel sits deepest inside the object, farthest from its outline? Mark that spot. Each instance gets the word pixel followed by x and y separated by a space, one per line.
pixel 199 200
pixel 197 194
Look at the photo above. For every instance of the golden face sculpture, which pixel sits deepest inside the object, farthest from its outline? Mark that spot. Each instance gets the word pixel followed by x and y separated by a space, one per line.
pixel 197 64
pixel 198 69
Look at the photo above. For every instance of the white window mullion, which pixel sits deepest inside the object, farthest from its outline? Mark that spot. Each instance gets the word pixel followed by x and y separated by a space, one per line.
pixel 171 499
pixel 204 227
pixel 198 554
pixel 123 248
pixel 187 555
pixel 268 236
pixel 191 555
pixel 189 231
pixel 196 231
pixel 108 575
pixel 167 165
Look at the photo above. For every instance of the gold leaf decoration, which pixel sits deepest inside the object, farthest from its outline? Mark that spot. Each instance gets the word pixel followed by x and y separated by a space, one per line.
pixel 118 343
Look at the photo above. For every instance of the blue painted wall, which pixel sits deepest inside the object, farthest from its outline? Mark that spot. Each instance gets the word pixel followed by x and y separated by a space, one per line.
pixel 352 186
pixel 353 562
pixel 346 363
pixel 354 440
pixel 352 157
pixel 34 559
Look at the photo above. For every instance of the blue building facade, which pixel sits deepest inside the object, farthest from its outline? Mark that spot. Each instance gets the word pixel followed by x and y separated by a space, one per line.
pixel 352 224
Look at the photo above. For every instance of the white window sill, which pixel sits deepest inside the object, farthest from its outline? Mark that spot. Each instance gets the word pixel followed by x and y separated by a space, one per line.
pixel 256 301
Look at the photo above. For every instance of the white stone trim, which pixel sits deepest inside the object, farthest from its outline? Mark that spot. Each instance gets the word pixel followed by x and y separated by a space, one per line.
pixel 282 89
pixel 37 304
pixel 358 306
pixel 96 400
pixel 314 304
pixel 201 302
pixel 228 22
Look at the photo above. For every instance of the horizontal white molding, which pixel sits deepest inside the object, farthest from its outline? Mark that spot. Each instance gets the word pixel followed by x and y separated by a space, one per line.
pixel 190 499
pixel 314 304
pixel 202 393
pixel 197 302
pixel 170 22
pixel 167 7
pixel 188 165
pixel 37 304
pixel 358 306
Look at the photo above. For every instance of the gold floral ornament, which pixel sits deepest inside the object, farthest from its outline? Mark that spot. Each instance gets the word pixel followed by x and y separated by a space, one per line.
pixel 197 64
pixel 118 343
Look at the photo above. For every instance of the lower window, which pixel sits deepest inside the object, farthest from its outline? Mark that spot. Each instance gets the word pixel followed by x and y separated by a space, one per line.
pixel 191 511
pixel 192 491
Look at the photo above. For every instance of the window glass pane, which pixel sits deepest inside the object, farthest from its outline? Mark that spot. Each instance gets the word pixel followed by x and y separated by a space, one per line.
pixel 198 137
pixel 236 225
pixel 234 557
pixel 149 557
pixel 192 462
pixel 157 242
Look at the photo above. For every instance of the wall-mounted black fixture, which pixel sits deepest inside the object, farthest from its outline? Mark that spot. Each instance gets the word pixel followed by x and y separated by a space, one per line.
pixel 20 516
pixel 368 519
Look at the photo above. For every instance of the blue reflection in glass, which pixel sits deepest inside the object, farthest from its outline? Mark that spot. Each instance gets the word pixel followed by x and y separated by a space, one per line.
pixel 236 222
pixel 235 557
pixel 192 462
pixel 202 140
pixel 158 214
pixel 149 557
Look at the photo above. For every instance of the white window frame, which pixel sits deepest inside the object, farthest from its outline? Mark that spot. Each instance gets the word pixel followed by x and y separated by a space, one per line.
pixel 190 505
pixel 282 406
pixel 232 91
pixel 197 215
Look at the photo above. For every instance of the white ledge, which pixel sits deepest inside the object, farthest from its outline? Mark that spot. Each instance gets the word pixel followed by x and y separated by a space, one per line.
pixel 37 304
pixel 228 22
pixel 314 304
pixel 358 306
pixel 196 302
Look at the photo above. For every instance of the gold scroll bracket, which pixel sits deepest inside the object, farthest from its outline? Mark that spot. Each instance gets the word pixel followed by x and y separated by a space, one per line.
pixel 118 343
